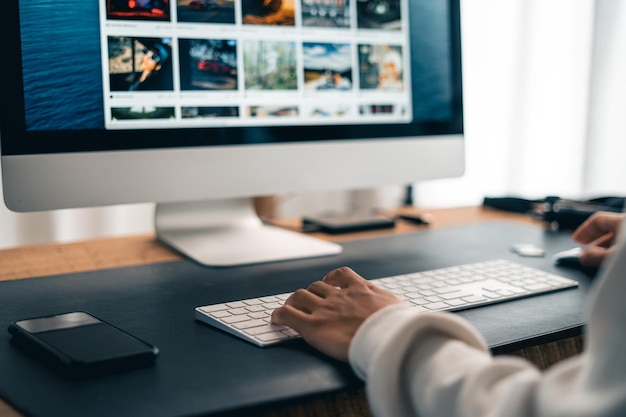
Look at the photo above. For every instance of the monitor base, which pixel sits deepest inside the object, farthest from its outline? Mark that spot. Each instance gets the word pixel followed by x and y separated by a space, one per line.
pixel 229 233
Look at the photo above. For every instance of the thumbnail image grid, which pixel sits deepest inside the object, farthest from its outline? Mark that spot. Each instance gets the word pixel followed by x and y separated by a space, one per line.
pixel 243 64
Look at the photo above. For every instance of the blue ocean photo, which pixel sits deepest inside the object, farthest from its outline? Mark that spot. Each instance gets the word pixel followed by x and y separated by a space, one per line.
pixel 61 64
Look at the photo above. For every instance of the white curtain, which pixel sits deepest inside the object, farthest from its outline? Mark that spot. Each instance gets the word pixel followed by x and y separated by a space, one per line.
pixel 545 97
pixel 545 100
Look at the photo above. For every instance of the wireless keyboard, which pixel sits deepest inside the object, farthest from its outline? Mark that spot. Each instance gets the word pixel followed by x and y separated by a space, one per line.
pixel 450 289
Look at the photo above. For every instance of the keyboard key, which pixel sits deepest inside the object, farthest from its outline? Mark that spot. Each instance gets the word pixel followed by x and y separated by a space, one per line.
pixel 238 311
pixel 237 304
pixel 453 295
pixel 212 308
pixel 436 306
pixel 456 302
pixel 474 299
pixel 265 328
pixel 234 319
pixel 249 323
pixel 220 313
pixel 272 336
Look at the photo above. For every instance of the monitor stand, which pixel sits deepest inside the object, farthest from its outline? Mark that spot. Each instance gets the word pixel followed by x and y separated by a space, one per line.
pixel 229 233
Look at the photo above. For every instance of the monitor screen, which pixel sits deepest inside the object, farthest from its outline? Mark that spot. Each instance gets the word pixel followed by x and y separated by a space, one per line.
pixel 123 101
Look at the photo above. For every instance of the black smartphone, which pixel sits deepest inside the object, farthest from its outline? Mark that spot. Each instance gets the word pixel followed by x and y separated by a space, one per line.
pixel 80 345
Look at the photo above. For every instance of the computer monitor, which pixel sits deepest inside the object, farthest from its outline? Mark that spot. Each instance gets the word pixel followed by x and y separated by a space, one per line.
pixel 200 105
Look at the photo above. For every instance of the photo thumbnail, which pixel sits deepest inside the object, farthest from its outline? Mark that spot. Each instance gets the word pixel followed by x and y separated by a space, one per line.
pixel 206 11
pixel 273 111
pixel 270 65
pixel 208 64
pixel 376 109
pixel 381 67
pixel 142 112
pixel 327 66
pixel 268 12
pixel 137 64
pixel 158 10
pixel 191 112
pixel 330 110
pixel 379 14
pixel 326 13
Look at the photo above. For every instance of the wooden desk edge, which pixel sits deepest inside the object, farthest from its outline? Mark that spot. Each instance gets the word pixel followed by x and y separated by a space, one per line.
pixel 62 258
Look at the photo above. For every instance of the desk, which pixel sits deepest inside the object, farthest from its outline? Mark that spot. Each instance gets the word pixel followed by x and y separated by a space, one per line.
pixel 51 259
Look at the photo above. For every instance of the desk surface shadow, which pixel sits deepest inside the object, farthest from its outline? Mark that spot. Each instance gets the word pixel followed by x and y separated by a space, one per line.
pixel 203 371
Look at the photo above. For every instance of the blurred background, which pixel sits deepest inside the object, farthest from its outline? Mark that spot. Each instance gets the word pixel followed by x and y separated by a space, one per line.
pixel 545 105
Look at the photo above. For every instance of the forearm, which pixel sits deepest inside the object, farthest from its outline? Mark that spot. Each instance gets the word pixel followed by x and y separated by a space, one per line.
pixel 436 364
pixel 447 377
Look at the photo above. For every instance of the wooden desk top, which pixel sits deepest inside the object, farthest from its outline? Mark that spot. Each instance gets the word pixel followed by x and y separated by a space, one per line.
pixel 59 258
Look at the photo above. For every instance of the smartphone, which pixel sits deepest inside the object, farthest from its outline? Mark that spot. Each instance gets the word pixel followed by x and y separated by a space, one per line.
pixel 80 345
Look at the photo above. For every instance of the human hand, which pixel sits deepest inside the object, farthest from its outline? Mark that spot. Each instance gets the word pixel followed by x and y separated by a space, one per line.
pixel 328 313
pixel 598 234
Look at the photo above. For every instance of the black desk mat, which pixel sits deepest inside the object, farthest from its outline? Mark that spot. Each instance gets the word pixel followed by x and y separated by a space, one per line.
pixel 203 371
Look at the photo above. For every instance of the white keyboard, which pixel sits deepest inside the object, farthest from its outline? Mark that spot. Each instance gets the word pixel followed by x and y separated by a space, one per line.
pixel 455 288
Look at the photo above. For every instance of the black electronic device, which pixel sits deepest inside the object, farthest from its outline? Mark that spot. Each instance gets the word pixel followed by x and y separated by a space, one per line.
pixel 199 110
pixel 80 345
pixel 571 259
pixel 347 224
pixel 559 213
pixel 413 218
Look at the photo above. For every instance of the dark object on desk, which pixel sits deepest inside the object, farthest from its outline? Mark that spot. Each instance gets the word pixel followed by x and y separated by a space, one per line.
pixel 568 257
pixel 78 345
pixel 571 259
pixel 348 224
pixel 413 218
pixel 514 204
pixel 561 214
pixel 408 195
pixel 568 214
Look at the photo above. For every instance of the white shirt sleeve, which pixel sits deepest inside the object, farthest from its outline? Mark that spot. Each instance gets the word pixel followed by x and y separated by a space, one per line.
pixel 436 364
